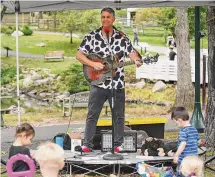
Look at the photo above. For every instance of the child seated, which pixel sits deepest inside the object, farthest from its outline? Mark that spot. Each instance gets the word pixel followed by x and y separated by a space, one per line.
pixel 50 157
pixel 192 166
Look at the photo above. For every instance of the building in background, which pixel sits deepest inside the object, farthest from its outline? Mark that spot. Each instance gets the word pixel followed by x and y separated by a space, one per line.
pixel 130 16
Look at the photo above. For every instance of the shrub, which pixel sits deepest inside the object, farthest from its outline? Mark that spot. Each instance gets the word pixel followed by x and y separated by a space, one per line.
pixel 13 28
pixel 74 80
pixel 130 74
pixel 8 31
pixel 27 31
pixel 8 75
pixel 3 29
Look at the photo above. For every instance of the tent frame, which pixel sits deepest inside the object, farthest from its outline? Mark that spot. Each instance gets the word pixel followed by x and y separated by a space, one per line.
pixel 197 117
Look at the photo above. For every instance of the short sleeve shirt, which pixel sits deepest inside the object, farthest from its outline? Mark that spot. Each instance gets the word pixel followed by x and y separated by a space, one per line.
pixel 189 135
pixel 19 165
pixel 172 55
pixel 119 45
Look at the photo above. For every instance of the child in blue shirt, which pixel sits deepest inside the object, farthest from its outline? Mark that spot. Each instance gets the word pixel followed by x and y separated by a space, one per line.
pixel 188 137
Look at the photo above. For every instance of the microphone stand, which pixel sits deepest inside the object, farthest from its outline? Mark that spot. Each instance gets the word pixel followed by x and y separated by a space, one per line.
pixel 112 156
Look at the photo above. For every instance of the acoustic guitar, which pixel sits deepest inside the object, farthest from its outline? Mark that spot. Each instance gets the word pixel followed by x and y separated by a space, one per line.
pixel 99 76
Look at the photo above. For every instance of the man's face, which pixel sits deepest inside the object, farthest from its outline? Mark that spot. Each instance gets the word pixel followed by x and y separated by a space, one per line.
pixel 107 19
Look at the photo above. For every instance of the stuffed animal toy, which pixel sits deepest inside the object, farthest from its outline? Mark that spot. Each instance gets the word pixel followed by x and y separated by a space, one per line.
pixel 157 147
pixel 170 147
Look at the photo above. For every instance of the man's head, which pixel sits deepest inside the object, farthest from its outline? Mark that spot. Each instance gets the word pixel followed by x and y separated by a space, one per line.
pixel 179 115
pixel 107 16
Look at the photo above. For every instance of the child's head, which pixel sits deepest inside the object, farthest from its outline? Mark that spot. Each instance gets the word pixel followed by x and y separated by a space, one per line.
pixel 25 132
pixel 192 166
pixel 179 115
pixel 50 156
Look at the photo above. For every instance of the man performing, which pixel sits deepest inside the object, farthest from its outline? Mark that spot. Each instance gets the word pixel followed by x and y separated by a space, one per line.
pixel 117 44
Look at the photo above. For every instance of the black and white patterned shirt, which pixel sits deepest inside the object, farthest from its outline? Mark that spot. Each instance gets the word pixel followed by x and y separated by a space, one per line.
pixel 120 45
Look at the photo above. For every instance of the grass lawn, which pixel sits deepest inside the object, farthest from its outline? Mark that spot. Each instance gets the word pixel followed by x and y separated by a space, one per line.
pixel 55 66
pixel 53 42
pixel 155 36
pixel 28 44
pixel 152 35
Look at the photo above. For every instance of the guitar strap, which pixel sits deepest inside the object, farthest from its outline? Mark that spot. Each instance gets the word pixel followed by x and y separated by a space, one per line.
pixel 126 38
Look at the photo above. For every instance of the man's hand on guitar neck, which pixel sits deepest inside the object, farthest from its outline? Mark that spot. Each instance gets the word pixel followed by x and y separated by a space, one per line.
pixel 135 57
pixel 137 62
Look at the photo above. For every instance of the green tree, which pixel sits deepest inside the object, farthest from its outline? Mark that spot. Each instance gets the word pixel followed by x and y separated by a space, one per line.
pixel 121 13
pixel 147 15
pixel 90 20
pixel 78 21
pixel 167 19
pixel 70 21
pixel 191 16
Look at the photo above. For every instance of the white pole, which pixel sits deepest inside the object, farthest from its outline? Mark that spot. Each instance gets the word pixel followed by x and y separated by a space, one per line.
pixel 17 69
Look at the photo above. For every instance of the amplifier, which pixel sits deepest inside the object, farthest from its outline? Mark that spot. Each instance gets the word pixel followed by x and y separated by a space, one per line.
pixel 129 141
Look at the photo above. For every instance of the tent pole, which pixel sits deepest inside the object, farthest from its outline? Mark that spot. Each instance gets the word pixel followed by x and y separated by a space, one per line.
pixel 197 117
pixel 17 9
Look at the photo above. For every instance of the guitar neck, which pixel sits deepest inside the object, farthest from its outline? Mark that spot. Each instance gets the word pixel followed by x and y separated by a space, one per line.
pixel 121 64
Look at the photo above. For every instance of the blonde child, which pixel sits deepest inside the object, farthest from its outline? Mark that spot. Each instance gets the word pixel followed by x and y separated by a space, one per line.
pixel 24 135
pixel 50 157
pixel 192 166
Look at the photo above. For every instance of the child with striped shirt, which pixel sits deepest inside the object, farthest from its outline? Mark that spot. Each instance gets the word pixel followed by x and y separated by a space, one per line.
pixel 188 137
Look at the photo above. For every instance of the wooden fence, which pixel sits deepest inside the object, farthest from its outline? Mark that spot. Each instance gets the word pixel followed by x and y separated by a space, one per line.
pixel 166 70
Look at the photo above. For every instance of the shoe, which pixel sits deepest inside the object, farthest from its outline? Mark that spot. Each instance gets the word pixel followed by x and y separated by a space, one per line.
pixel 118 149
pixel 82 149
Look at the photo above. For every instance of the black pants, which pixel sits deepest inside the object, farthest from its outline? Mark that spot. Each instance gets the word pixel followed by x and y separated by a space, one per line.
pixel 97 98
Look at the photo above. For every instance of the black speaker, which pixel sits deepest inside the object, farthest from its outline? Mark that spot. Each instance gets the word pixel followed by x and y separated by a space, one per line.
pixel 129 141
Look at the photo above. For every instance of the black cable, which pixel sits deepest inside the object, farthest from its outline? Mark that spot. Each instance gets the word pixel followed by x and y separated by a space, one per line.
pixel 70 116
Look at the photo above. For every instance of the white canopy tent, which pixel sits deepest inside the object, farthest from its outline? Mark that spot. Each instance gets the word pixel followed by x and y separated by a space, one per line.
pixel 37 6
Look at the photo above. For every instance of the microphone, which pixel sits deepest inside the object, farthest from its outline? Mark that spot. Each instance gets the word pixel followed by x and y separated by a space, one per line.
pixel 107 30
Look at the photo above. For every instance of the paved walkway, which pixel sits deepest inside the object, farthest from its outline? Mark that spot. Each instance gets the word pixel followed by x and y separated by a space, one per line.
pixel 165 50
pixel 48 132
pixel 22 54
pixel 153 48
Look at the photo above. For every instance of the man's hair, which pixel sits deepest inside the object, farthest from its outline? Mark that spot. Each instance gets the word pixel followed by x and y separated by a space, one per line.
pixel 180 113
pixel 108 9
pixel 50 154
